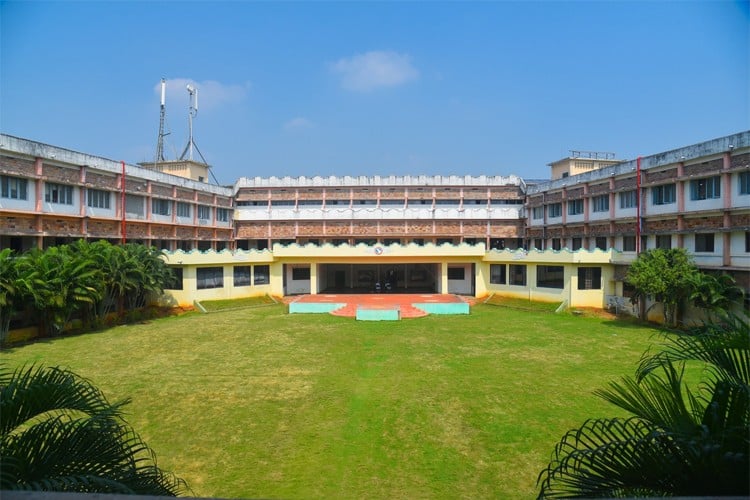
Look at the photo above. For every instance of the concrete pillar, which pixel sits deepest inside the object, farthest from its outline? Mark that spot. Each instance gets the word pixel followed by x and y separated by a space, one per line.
pixel 726 182
pixel 726 249
pixel 276 278
pixel 39 187
pixel 443 277
pixel 481 278
pixel 314 279
pixel 82 201
pixel 586 202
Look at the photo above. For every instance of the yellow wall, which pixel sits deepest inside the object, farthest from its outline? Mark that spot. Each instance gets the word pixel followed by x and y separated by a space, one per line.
pixel 570 292
pixel 190 292
pixel 191 261
pixel 362 254
pixel 22 334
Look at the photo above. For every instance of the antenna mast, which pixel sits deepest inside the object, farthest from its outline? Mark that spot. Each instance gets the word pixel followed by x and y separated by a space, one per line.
pixel 162 116
pixel 192 113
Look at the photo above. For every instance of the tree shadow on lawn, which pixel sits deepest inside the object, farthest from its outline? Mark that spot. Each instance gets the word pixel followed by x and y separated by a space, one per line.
pixel 631 323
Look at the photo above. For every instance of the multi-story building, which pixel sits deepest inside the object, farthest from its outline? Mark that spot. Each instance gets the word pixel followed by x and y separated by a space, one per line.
pixel 696 197
pixel 570 238
pixel 386 210
pixel 50 195
pixel 581 162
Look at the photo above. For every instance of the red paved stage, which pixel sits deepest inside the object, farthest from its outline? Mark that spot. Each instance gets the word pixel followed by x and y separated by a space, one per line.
pixel 403 301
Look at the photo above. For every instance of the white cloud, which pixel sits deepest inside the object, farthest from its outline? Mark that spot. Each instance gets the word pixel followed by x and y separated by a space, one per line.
pixel 372 70
pixel 298 122
pixel 211 94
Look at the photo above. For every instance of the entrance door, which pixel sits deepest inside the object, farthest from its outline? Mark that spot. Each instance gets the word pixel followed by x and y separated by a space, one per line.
pixel 339 279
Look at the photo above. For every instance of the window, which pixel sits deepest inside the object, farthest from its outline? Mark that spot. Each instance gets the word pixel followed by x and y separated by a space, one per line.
pixel 204 212
pixel 704 242
pixel 210 277
pixel 538 244
pixel 161 244
pixel 644 242
pixel 589 278
pixel 241 275
pixel 705 189
pixel 300 273
pixel 58 193
pixel 13 188
pixel 601 242
pixel 744 179
pixel 97 198
pixel 222 215
pixel 260 275
pixel 176 278
pixel 554 210
pixel 664 241
pixel 628 243
pixel 550 277
pixel 663 195
pixel 517 274
pixel 747 241
pixel 628 199
pixel 577 243
pixel 497 274
pixel 183 209
pixel 161 207
pixel 134 204
pixel 601 203
pixel 556 245
pixel 575 207
pixel 538 213
pixel 456 273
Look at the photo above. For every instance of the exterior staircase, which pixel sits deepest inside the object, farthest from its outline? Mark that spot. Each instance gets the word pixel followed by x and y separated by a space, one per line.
pixel 407 311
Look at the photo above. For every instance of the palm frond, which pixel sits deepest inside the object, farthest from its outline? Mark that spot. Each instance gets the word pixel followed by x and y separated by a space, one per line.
pixel 31 391
pixel 90 454
pixel 659 400
pixel 725 345
pixel 611 458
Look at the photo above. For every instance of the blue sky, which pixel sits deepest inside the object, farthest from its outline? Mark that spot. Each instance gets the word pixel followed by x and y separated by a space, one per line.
pixel 358 88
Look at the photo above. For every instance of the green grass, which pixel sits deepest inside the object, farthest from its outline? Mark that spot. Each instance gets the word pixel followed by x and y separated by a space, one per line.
pixel 522 304
pixel 260 403
pixel 222 305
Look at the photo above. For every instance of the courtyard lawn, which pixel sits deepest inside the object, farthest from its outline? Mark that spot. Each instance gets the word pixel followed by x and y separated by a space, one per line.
pixel 222 305
pixel 258 403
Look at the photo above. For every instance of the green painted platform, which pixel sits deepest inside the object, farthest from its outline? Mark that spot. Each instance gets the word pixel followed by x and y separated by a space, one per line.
pixel 443 308
pixel 364 314
pixel 314 307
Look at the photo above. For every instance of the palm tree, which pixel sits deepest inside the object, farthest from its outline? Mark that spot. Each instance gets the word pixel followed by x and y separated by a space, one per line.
pixel 9 290
pixel 59 283
pixel 681 440
pixel 715 293
pixel 153 274
pixel 59 433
